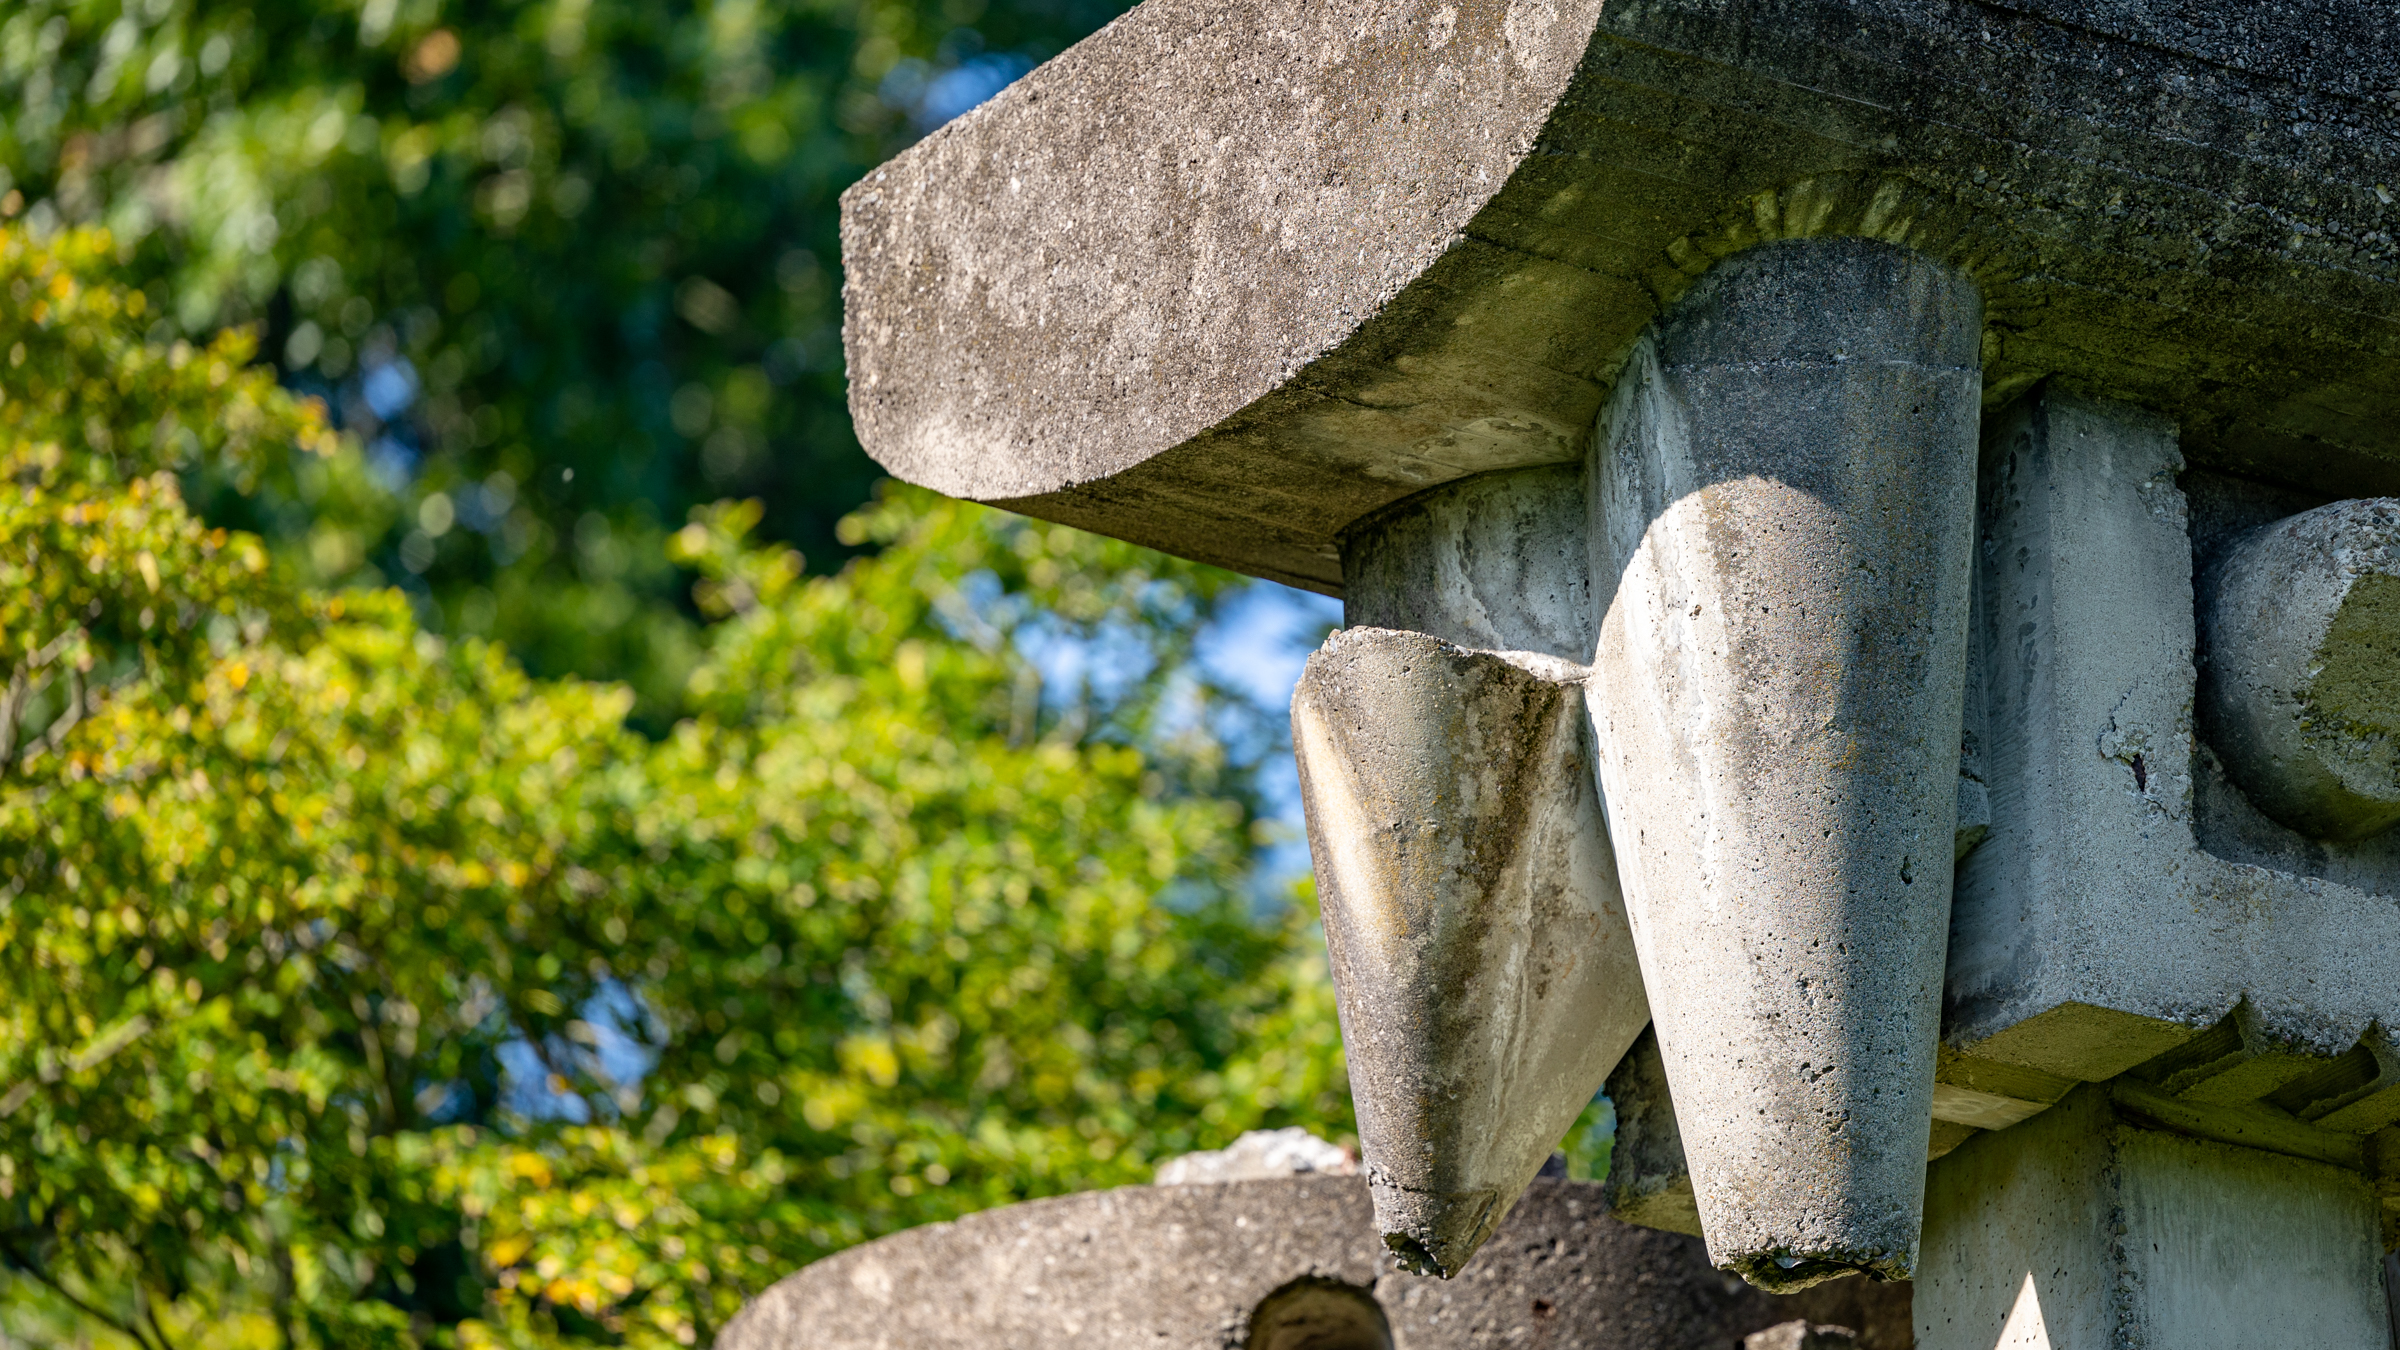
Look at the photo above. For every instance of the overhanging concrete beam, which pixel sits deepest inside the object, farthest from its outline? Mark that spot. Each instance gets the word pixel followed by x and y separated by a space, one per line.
pixel 1228 276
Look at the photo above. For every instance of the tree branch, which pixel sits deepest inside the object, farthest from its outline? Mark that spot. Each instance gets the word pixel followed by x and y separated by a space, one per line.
pixel 131 1331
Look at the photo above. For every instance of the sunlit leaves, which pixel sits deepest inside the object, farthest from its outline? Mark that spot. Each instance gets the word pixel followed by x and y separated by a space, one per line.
pixel 365 991
pixel 585 248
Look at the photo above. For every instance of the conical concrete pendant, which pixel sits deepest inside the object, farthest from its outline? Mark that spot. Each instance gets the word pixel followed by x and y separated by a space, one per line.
pixel 1482 963
pixel 1783 511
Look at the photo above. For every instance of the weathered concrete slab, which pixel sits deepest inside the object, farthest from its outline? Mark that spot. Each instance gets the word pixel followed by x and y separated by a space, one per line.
pixel 1194 1268
pixel 1229 276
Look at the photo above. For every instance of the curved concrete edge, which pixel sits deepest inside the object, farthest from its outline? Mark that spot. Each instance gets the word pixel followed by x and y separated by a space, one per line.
pixel 1483 968
pixel 1218 156
pixel 2297 668
pixel 1227 277
pixel 1186 1267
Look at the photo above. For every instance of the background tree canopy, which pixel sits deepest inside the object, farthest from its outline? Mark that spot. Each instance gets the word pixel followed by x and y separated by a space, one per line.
pixel 366 987
pixel 567 267
pixel 364 990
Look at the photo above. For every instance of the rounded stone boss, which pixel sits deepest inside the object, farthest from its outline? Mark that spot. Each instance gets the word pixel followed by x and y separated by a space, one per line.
pixel 2300 678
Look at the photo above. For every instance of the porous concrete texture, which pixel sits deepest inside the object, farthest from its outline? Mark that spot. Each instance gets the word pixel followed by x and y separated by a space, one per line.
pixel 1650 1184
pixel 1195 1267
pixel 1783 508
pixel 1232 274
pixel 1482 966
pixel 1497 562
pixel 2300 668
pixel 2084 1228
pixel 2224 510
pixel 2230 1084
pixel 2091 931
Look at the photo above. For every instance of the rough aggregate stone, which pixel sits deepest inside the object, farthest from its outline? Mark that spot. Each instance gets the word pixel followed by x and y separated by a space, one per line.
pixel 1187 1268
pixel 2300 676
pixel 2088 635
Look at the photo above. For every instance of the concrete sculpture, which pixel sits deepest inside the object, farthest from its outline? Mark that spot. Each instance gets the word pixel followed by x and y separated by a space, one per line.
pixel 1943 445
pixel 1481 959
pixel 1288 1263
pixel 1783 499
pixel 2302 622
pixel 1484 967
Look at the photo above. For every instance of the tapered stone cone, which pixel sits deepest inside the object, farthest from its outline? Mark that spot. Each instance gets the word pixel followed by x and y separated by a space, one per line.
pixel 1783 509
pixel 1482 964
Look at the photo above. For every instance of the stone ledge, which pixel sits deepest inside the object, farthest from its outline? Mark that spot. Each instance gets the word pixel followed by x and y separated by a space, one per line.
pixel 1225 278
pixel 1186 1267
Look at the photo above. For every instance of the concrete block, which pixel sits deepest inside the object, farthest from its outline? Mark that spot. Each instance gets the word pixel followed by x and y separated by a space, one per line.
pixel 1482 965
pixel 1260 1264
pixel 2231 1063
pixel 1782 505
pixel 2092 932
pixel 1498 562
pixel 1232 274
pixel 1648 1181
pixel 2081 1228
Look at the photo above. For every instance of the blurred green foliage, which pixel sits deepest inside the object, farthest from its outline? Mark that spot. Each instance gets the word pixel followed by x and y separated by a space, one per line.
pixel 568 267
pixel 364 990
pixel 1590 1140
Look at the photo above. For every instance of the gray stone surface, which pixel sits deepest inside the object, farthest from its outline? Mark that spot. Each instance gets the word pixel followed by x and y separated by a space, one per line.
pixel 1648 1182
pixel 1497 562
pixel 1189 1268
pixel 1801 1335
pixel 2300 668
pixel 2223 510
pixel 2091 931
pixel 1481 961
pixel 1783 513
pixel 1232 274
pixel 2081 1228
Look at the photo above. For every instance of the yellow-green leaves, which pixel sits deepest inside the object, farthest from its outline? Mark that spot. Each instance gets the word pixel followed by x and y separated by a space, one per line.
pixel 363 990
